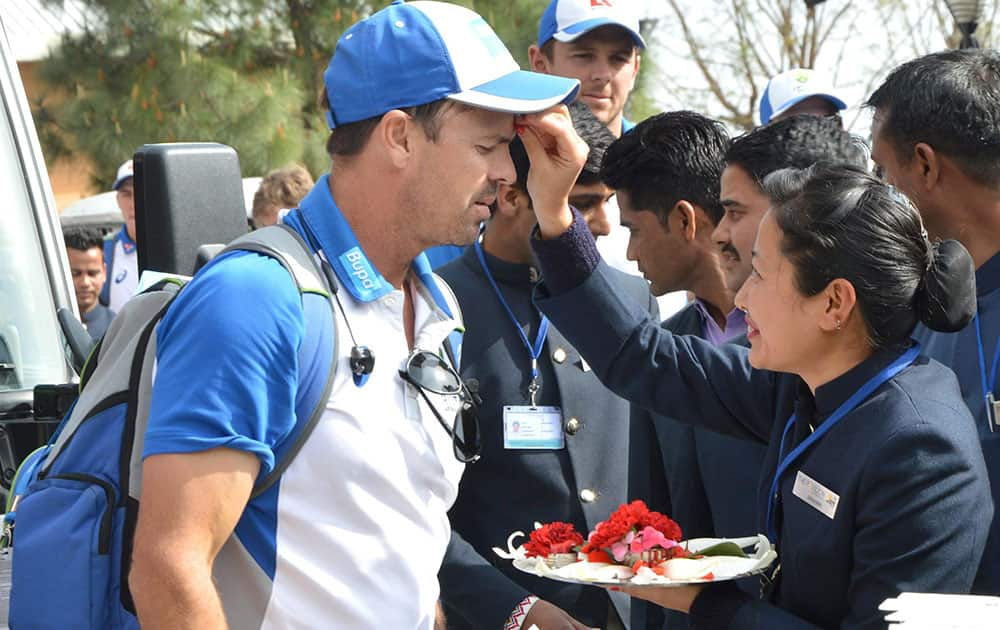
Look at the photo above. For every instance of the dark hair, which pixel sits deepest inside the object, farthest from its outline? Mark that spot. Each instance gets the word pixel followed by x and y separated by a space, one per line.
pixel 837 221
pixel 951 101
pixel 83 238
pixel 597 136
pixel 668 158
pixel 796 142
pixel 348 140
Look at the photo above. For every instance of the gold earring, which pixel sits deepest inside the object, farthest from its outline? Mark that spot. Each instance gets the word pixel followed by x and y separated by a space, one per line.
pixel 838 324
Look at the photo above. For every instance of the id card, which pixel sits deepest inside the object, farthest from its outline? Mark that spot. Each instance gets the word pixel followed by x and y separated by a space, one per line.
pixel 816 494
pixel 526 427
pixel 992 412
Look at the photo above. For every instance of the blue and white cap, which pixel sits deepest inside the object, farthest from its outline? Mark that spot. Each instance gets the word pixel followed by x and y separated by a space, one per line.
pixel 125 172
pixel 410 54
pixel 566 20
pixel 792 87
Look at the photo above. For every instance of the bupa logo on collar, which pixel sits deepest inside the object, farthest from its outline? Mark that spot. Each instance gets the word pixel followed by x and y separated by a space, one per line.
pixel 360 270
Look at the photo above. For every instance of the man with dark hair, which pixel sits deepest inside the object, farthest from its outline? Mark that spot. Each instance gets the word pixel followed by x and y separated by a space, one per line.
pixel 85 251
pixel 666 173
pixel 936 136
pixel 353 532
pixel 795 142
pixel 579 473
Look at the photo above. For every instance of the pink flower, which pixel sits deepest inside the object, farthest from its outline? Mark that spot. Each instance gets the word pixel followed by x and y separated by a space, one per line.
pixel 649 538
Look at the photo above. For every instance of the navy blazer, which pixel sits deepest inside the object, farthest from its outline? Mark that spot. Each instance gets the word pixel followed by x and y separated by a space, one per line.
pixel 508 490
pixel 914 501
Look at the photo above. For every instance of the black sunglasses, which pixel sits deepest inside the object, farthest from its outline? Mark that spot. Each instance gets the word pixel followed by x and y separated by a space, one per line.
pixel 427 371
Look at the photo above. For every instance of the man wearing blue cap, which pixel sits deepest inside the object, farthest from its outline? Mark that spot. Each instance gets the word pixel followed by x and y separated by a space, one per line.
pixel 799 91
pixel 121 257
pixel 597 43
pixel 422 102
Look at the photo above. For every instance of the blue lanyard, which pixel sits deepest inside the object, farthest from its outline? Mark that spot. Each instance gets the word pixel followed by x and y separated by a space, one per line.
pixel 988 385
pixel 848 405
pixel 535 350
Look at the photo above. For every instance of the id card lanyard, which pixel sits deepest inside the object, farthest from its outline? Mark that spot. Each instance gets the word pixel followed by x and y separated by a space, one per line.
pixel 990 383
pixel 846 407
pixel 534 349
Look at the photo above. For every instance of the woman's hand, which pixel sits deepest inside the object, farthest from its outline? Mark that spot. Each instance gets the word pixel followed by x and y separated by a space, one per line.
pixel 557 154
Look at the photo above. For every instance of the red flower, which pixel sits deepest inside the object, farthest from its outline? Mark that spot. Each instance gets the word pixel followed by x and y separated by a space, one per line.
pixel 551 538
pixel 633 516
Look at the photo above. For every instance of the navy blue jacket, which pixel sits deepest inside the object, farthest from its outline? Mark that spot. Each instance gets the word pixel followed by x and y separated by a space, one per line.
pixel 914 507
pixel 960 352
pixel 508 490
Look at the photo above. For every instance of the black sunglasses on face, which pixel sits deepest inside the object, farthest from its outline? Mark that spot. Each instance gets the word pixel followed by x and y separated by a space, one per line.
pixel 427 371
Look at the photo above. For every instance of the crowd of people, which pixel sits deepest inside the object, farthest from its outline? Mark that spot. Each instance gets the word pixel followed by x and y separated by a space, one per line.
pixel 841 337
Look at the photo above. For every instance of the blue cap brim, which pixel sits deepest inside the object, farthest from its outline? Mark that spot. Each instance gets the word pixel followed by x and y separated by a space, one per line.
pixel 579 29
pixel 118 182
pixel 521 92
pixel 839 104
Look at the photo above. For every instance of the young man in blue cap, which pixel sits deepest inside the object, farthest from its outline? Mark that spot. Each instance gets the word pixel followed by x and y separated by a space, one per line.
pixel 599 44
pixel 799 91
pixel 353 533
pixel 120 255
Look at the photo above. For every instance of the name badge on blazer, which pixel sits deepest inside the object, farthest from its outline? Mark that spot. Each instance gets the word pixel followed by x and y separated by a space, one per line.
pixel 816 494
pixel 532 427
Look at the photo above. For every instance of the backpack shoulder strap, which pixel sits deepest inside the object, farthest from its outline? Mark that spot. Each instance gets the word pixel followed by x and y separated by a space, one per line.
pixel 318 353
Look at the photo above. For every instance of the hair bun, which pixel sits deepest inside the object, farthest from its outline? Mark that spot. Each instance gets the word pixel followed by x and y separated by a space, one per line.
pixel 946 299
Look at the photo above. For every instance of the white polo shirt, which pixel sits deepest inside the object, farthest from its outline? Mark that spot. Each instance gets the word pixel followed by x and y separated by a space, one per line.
pixel 353 533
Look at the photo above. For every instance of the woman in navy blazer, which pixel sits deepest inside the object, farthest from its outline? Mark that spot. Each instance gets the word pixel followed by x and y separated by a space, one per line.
pixel 882 485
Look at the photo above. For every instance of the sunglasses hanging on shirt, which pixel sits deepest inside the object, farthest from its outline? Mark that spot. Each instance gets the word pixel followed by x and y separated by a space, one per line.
pixel 428 372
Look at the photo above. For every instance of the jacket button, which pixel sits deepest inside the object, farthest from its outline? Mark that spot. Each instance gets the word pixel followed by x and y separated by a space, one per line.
pixel 573 425
pixel 559 355
pixel 588 496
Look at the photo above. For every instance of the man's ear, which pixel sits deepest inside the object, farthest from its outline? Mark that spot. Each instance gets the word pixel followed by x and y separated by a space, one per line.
pixel 683 217
pixel 510 200
pixel 927 165
pixel 395 132
pixel 537 60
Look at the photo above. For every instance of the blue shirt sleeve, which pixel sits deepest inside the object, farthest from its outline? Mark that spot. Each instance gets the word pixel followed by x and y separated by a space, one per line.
pixel 227 363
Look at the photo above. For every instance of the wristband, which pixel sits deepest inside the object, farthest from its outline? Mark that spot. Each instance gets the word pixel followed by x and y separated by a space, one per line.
pixel 520 612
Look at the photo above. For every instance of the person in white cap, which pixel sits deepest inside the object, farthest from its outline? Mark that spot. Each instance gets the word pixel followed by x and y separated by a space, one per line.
pixel 422 103
pixel 799 91
pixel 120 255
pixel 598 42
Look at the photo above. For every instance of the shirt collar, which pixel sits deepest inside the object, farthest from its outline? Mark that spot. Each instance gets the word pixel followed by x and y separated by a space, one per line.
pixel 736 324
pixel 127 243
pixel 988 276
pixel 504 271
pixel 334 237
pixel 831 395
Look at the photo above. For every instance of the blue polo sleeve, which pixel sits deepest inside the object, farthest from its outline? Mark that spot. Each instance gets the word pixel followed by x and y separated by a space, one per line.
pixel 227 363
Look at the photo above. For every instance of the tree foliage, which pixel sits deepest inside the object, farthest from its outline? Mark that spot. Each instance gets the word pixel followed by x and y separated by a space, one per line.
pixel 247 73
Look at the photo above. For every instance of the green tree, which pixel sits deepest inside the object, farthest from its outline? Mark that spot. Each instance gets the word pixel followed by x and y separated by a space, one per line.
pixel 247 73
pixel 241 72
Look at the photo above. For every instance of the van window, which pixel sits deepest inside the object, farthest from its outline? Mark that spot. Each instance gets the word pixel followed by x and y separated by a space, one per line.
pixel 30 341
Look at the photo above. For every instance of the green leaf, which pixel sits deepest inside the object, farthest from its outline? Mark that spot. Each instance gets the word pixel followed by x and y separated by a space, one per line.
pixel 723 549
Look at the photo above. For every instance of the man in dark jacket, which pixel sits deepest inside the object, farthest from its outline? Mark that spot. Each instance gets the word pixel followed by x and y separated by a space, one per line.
pixel 555 447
